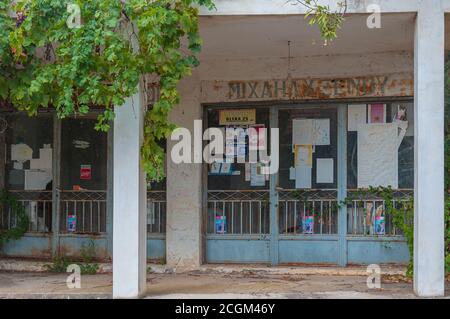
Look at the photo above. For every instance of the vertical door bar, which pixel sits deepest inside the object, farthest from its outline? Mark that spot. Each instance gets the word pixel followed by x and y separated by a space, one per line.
pixel 342 183
pixel 273 251
pixel 109 191
pixel 56 183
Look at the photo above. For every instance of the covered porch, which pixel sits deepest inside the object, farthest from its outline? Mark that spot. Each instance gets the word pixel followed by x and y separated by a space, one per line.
pixel 253 48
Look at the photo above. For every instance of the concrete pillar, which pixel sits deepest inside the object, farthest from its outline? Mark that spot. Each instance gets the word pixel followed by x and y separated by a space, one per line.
pixel 184 187
pixel 429 150
pixel 129 200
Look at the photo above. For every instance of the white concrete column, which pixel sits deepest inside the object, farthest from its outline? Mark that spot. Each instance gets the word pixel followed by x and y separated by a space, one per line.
pixel 429 150
pixel 129 221
pixel 184 187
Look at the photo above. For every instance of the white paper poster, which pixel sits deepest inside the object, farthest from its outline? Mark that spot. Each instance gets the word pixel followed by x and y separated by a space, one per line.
pixel 292 173
pixel 46 155
pixel 247 172
pixel 325 170
pixel 303 177
pixel 311 132
pixel 321 132
pixel 302 132
pixel 303 155
pixel 21 152
pixel 408 112
pixel 18 165
pixel 81 144
pixel 37 180
pixel 378 154
pixel 241 152
pixel 256 178
pixel 44 162
pixel 356 115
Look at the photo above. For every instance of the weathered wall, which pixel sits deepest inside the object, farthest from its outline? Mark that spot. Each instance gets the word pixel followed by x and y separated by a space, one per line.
pixel 184 188
pixel 309 66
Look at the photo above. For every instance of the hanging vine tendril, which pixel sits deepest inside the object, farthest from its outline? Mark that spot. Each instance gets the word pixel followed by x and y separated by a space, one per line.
pixel 328 20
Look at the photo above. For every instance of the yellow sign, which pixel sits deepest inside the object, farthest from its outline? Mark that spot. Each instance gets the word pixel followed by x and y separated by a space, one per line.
pixel 237 117
pixel 303 155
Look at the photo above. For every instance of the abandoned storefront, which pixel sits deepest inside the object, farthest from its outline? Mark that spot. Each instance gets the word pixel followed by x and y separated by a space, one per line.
pixel 348 116
pixel 58 170
pixel 327 151
pixel 353 133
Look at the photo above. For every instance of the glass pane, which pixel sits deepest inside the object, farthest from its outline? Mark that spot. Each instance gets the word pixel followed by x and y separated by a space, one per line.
pixel 29 152
pixel 28 169
pixel 405 151
pixel 238 195
pixel 323 153
pixel 83 155
pixel 385 134
pixel 237 179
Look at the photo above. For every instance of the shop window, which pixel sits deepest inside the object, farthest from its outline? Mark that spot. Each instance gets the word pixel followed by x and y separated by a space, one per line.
pixel 156 202
pixel 238 176
pixel 308 171
pixel 83 177
pixel 380 152
pixel 394 155
pixel 238 192
pixel 28 168
pixel 309 162
pixel 83 155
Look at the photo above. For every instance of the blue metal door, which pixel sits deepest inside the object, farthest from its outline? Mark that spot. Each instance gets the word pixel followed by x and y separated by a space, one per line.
pixel 298 217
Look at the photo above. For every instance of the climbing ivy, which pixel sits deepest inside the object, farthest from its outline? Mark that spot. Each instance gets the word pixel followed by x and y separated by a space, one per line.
pixel 46 60
pixel 17 210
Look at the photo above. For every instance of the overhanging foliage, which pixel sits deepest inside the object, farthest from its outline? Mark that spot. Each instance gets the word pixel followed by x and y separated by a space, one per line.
pixel 45 62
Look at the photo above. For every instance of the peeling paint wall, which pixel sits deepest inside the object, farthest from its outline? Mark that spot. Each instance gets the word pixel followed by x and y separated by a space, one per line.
pixel 184 188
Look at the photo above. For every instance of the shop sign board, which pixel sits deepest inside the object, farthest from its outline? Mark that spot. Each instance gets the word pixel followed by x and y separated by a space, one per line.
pixel 388 85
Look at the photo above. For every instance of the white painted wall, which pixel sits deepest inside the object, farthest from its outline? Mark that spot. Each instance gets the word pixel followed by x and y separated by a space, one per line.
pixel 429 152
pixel 260 7
pixel 130 200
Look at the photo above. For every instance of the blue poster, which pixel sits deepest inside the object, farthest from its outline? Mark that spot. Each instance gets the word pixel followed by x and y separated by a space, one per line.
pixel 71 223
pixel 221 224
pixel 308 225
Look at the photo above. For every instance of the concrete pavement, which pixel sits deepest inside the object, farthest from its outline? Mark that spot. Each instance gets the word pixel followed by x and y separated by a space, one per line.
pixel 202 284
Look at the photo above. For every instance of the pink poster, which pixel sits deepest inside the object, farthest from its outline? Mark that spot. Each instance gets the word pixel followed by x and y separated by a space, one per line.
pixel 257 137
pixel 377 113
